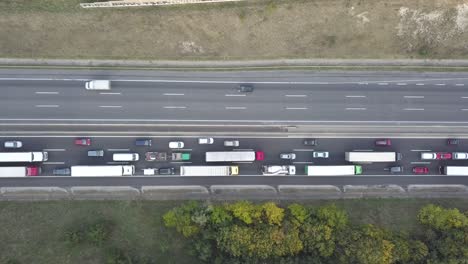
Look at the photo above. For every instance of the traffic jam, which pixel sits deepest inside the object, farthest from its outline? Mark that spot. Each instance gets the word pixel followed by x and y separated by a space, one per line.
pixel 220 163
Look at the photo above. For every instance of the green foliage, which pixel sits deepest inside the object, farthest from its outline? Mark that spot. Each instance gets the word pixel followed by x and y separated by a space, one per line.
pixel 181 219
pixel 299 214
pixel 220 216
pixel 245 211
pixel 95 233
pixel 332 216
pixel 442 219
pixel 274 214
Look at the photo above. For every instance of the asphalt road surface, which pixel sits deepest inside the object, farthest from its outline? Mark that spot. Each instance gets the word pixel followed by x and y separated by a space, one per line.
pixel 279 97
pixel 63 152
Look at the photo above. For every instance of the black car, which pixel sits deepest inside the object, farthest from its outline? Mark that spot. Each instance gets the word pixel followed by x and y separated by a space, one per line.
pixel 310 142
pixel 452 141
pixel 143 142
pixel 166 171
pixel 245 88
pixel 62 171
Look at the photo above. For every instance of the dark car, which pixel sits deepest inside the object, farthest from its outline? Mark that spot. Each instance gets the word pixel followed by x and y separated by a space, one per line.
pixel 143 142
pixel 453 141
pixel 62 171
pixel 96 153
pixel 420 170
pixel 166 171
pixel 245 88
pixel 83 142
pixel 383 142
pixel 310 142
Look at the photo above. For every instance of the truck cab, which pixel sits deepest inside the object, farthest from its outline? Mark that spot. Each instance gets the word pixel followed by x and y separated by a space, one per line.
pixel 273 170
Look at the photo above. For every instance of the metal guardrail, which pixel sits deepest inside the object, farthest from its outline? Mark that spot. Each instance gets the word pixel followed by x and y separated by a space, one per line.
pixel 130 3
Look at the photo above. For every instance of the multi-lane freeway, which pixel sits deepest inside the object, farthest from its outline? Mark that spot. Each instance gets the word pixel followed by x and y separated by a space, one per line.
pixel 64 153
pixel 422 101
pixel 279 97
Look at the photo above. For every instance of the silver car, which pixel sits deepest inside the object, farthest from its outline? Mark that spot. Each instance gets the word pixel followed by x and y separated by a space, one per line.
pixel 320 154
pixel 459 155
pixel 288 156
pixel 231 143
pixel 13 144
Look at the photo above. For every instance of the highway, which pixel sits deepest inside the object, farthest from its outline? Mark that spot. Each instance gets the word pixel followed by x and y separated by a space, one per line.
pixel 63 152
pixel 387 98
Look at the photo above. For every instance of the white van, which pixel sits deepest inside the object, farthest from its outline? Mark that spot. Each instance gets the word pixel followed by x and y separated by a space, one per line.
pixel 98 85
pixel 125 157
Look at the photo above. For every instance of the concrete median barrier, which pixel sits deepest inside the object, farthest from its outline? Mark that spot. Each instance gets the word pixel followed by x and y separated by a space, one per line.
pixel 382 191
pixel 33 193
pixel 235 192
pixel 309 191
pixel 174 192
pixel 437 190
pixel 105 193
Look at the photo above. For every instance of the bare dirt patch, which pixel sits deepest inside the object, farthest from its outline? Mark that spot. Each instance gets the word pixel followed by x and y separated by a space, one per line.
pixel 254 29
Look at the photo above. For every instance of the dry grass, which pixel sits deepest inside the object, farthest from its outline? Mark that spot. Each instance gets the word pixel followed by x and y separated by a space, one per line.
pixel 254 29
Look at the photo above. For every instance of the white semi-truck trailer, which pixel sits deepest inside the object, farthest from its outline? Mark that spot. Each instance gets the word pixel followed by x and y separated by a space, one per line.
pixel 372 156
pixel 233 156
pixel 102 171
pixel 339 170
pixel 35 156
pixel 22 171
pixel 455 170
pixel 209 170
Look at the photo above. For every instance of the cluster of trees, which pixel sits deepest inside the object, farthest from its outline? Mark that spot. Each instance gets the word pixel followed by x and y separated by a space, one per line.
pixel 244 232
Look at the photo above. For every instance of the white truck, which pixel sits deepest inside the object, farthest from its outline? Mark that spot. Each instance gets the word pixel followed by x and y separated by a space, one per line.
pixel 335 170
pixel 278 170
pixel 229 156
pixel 372 156
pixel 100 171
pixel 36 156
pixel 454 170
pixel 209 170
pixel 19 171
pixel 98 85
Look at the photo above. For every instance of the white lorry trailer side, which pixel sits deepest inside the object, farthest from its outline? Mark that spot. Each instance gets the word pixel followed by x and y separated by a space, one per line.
pixel 209 170
pixel 223 156
pixel 99 171
pixel 19 171
pixel 340 170
pixel 36 156
pixel 371 156
pixel 455 170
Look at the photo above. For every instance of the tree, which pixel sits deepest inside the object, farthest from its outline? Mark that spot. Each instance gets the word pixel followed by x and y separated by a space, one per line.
pixel 442 219
pixel 298 213
pixel 274 215
pixel 245 211
pixel 181 218
pixel 332 216
pixel 220 216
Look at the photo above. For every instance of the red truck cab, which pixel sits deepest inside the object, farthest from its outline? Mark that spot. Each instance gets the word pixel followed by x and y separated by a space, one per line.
pixel 33 171
pixel 259 155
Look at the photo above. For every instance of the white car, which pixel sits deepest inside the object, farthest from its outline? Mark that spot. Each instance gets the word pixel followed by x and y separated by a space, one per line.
pixel 459 155
pixel 288 156
pixel 320 154
pixel 176 144
pixel 204 141
pixel 231 143
pixel 428 155
pixel 276 170
pixel 13 144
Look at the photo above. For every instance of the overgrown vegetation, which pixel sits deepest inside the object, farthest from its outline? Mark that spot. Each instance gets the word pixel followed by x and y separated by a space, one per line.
pixel 244 232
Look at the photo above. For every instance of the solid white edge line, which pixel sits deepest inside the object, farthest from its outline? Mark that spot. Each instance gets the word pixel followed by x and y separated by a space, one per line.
pixel 363 150
pixel 175 107
pixel 234 95
pixel 414 109
pixel 295 95
pixel 356 108
pixel 420 150
pixel 296 108
pixel 110 106
pixel 355 96
pixel 303 150
pixel 420 162
pixel 235 107
pixel 53 162
pixel 176 94
pixel 414 96
pixel 118 149
pixel 47 92
pixel 112 93
pixel 54 149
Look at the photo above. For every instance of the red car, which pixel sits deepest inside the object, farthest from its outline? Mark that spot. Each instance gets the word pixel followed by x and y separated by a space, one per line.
pixel 383 142
pixel 420 170
pixel 83 142
pixel 443 155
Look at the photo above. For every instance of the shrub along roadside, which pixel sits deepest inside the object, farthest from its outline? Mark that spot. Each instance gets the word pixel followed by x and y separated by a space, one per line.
pixel 244 232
